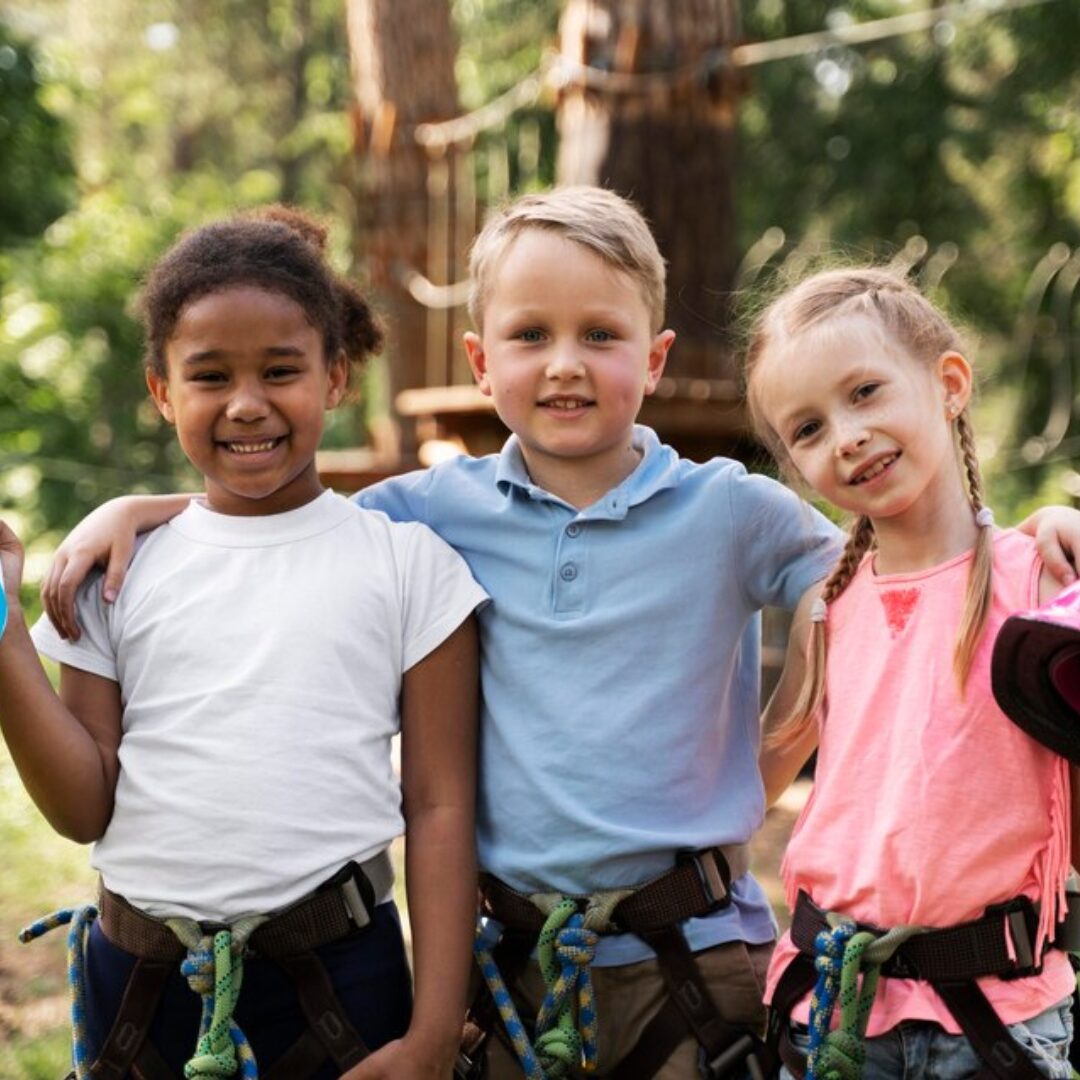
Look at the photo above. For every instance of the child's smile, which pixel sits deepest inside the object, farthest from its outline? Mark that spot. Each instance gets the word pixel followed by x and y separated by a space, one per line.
pixel 567 353
pixel 247 388
pixel 864 423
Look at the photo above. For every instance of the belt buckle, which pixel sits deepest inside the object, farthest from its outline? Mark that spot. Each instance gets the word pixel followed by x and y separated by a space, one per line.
pixel 1021 923
pixel 714 874
pixel 741 1054
pixel 467 1066
pixel 356 892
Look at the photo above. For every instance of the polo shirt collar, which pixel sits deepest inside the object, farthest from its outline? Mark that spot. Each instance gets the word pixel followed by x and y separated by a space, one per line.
pixel 658 469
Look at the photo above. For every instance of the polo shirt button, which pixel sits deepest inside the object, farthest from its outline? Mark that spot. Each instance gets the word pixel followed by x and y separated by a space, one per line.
pixel 573 530
pixel 568 572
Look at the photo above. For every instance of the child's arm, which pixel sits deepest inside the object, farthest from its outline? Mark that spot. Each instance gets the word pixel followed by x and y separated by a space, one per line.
pixel 107 537
pixel 781 764
pixel 438 773
pixel 1057 533
pixel 65 748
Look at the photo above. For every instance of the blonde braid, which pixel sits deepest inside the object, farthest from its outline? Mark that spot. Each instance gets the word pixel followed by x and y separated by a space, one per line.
pixel 812 692
pixel 979 593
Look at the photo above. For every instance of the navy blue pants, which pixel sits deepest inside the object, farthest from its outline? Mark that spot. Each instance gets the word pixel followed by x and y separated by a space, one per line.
pixel 369 972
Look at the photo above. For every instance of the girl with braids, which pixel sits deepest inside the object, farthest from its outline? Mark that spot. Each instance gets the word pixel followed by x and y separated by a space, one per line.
pixel 223 730
pixel 929 807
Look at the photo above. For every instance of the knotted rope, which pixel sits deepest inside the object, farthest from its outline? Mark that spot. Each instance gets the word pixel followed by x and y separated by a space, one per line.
pixel 843 952
pixel 78 920
pixel 504 1003
pixel 567 1024
pixel 214 969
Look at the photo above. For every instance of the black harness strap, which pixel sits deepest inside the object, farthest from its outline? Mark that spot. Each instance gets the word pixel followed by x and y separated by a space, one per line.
pixel 950 960
pixel 321 1007
pixel 128 1034
pixel 150 1065
pixel 698 884
pixel 1002 1055
pixel 341 907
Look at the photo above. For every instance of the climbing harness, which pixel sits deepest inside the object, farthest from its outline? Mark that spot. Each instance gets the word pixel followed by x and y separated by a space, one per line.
pixel 211 958
pixel 834 953
pixel 565 932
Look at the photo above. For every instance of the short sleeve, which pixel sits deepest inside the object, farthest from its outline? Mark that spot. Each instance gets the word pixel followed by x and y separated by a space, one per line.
pixel 438 594
pixel 94 651
pixel 400 498
pixel 782 544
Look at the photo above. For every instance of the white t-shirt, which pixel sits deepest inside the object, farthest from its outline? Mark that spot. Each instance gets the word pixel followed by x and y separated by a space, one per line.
pixel 260 662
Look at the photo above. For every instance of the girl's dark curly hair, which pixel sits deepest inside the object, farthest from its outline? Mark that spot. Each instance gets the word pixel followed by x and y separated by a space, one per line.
pixel 277 248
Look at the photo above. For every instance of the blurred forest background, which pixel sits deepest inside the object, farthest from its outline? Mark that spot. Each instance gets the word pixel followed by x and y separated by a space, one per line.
pixel 950 150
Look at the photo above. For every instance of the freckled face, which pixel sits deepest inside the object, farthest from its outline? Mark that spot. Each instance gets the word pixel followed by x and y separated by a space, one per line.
pixel 247 385
pixel 567 353
pixel 862 421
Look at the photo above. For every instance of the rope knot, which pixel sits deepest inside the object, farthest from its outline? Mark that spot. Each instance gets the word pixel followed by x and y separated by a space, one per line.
pixel 576 945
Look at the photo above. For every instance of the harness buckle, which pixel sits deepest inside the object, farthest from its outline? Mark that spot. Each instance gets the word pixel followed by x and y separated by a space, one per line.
pixel 742 1058
pixel 900 966
pixel 468 1066
pixel 356 891
pixel 713 873
pixel 1021 923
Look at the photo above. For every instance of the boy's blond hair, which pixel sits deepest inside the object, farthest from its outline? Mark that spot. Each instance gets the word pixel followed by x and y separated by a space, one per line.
pixel 600 220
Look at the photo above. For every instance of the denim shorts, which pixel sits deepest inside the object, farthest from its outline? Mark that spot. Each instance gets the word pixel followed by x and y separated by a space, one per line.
pixel 921 1049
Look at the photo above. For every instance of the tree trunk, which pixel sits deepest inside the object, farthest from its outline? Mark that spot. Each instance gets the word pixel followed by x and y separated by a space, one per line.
pixel 659 128
pixel 403 70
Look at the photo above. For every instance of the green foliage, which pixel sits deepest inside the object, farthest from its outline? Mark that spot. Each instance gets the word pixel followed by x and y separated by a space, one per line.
pixel 960 140
pixel 185 110
pixel 502 41
pixel 36 180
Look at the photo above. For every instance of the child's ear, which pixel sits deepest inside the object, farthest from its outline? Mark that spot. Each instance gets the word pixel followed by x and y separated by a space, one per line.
pixel 658 353
pixel 158 386
pixel 474 350
pixel 957 381
pixel 338 381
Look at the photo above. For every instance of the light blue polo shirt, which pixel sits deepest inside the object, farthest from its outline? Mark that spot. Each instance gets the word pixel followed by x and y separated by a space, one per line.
pixel 620 664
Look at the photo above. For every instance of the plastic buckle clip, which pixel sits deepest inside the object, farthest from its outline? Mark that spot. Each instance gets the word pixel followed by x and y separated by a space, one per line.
pixel 714 874
pixel 1021 923
pixel 740 1059
pixel 468 1066
pixel 357 895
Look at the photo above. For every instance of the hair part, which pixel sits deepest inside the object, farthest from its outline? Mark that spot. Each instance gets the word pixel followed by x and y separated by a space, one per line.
pixel 924 332
pixel 277 248
pixel 600 220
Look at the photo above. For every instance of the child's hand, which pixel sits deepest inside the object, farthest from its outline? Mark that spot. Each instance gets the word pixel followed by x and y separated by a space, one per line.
pixel 105 537
pixel 402 1060
pixel 1057 533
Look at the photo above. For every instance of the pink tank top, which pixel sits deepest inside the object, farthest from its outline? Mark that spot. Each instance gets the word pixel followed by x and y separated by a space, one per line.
pixel 927 806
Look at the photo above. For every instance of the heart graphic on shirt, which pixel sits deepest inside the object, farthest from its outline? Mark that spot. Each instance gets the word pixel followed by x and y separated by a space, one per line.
pixel 899 604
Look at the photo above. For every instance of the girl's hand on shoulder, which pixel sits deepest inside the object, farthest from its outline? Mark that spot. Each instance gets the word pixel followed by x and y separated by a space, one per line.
pixel 1057 535
pixel 405 1059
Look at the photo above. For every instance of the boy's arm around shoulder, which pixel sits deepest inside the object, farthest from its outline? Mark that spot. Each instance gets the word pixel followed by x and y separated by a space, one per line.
pixel 439 705
pixel 106 536
pixel 781 544
pixel 400 498
pixel 64 747
pixel 780 762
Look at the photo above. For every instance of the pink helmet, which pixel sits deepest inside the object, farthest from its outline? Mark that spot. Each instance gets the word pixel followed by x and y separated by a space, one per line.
pixel 1035 672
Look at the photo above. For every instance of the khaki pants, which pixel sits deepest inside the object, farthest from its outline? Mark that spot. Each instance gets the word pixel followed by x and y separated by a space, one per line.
pixel 628 997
